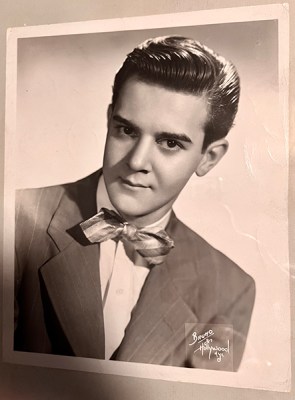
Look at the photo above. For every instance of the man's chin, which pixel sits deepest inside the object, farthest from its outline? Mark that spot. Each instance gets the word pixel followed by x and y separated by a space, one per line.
pixel 135 215
pixel 128 206
pixel 131 216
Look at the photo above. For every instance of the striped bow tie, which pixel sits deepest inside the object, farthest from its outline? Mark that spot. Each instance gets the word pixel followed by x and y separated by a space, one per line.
pixel 152 244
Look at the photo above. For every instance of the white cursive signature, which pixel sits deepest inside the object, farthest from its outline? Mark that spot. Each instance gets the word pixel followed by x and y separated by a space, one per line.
pixel 206 345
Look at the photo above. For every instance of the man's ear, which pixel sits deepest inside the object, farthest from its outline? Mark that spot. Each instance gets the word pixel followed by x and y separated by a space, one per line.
pixel 212 155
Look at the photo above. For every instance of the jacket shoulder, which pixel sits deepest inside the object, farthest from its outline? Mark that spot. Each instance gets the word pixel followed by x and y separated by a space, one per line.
pixel 36 206
pixel 39 204
pixel 213 268
pixel 35 209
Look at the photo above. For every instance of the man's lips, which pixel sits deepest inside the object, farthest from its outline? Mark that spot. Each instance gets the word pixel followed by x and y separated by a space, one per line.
pixel 132 183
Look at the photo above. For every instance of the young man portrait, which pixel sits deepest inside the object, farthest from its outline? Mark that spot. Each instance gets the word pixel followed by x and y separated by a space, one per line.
pixel 104 268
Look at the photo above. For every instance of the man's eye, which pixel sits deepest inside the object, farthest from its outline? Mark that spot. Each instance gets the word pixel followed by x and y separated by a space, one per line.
pixel 126 130
pixel 171 144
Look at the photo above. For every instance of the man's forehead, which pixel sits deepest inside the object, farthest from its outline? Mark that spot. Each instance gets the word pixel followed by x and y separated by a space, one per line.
pixel 139 100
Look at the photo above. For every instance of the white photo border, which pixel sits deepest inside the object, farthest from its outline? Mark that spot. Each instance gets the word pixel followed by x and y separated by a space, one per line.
pixel 277 12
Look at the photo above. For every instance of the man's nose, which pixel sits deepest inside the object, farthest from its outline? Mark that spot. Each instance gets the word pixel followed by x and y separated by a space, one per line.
pixel 140 156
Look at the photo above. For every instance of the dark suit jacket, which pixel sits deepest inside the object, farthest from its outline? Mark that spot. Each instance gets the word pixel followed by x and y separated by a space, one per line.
pixel 58 306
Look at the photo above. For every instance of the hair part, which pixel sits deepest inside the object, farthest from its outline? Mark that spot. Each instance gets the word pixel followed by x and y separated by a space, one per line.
pixel 185 65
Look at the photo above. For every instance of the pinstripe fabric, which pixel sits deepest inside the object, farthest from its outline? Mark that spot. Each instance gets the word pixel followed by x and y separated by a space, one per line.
pixel 58 300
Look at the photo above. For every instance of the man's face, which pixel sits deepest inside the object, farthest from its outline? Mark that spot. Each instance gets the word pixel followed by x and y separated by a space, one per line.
pixel 154 145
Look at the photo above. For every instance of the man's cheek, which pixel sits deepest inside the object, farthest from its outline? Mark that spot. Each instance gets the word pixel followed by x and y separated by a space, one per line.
pixel 115 158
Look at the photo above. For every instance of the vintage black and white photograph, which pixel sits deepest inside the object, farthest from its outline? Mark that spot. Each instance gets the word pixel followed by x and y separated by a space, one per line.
pixel 147 178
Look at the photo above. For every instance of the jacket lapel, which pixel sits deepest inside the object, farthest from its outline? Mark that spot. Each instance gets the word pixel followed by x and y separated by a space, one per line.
pixel 72 277
pixel 157 326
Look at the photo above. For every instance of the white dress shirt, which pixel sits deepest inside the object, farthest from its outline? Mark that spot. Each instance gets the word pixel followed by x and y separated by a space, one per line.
pixel 122 273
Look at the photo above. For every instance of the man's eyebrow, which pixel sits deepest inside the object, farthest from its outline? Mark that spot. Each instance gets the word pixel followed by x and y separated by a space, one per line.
pixel 160 136
pixel 174 136
pixel 122 120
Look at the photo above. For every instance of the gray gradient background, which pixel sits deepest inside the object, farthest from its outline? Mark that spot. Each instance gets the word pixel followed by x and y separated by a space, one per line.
pixel 19 382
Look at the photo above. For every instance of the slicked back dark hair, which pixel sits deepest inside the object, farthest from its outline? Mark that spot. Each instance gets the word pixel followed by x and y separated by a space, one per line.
pixel 185 65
